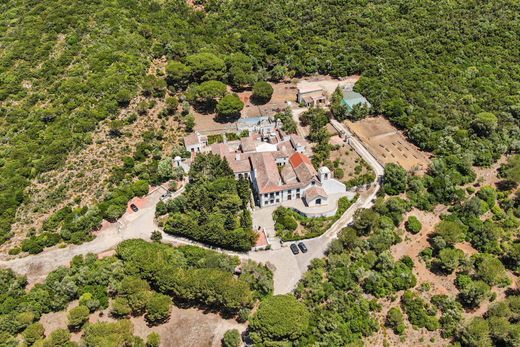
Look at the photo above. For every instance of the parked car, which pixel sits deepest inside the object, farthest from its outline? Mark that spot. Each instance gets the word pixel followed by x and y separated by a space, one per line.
pixel 165 196
pixel 302 247
pixel 294 249
pixel 134 208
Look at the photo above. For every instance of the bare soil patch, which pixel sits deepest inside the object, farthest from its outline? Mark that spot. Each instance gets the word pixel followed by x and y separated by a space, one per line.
pixel 488 176
pixel 351 163
pixel 282 93
pixel 328 83
pixel 412 336
pixel 388 144
pixel 412 245
pixel 186 327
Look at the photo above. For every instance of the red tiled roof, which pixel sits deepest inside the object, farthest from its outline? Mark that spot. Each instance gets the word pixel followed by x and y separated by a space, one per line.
pixel 297 159
pixel 267 177
pixel 288 174
pixel 238 166
pixel 220 149
pixel 303 167
pixel 248 144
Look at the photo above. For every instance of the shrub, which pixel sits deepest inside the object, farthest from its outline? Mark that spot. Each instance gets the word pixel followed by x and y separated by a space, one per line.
pixel 413 225
pixel 284 219
pixel 262 91
pixel 58 338
pixel 279 318
pixel 158 309
pixel 156 236
pixel 88 300
pixel 395 320
pixel 491 270
pixel 119 333
pixel 77 316
pixel 449 259
pixel 31 246
pixel 419 313
pixel 15 251
pixel 339 173
pixel 120 307
pixel 475 333
pixel 395 179
pixel 230 106
pixel 231 338
pixel 472 293
pixel 153 340
pixel 33 333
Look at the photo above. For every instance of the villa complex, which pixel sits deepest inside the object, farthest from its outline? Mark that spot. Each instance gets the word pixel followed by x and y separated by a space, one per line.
pixel 277 164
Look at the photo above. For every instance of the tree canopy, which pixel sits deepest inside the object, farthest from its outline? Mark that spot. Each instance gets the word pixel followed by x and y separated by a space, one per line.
pixel 279 318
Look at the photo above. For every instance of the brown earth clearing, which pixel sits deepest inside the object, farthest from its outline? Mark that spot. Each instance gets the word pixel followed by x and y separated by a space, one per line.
pixel 351 163
pixel 282 92
pixel 388 144
pixel 189 327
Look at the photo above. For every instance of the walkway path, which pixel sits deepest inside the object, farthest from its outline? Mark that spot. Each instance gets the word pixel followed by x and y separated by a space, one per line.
pixel 289 267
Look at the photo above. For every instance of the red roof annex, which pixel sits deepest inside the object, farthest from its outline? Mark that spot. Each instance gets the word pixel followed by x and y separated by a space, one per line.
pixel 297 159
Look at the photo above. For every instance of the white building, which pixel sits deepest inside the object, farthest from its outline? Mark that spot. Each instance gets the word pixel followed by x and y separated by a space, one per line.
pixel 195 142
pixel 278 167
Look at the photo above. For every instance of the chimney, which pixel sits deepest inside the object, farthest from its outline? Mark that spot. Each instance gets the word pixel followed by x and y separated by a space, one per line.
pixel 237 156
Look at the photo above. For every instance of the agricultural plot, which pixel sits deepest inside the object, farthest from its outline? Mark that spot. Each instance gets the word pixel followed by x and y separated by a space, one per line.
pixel 388 144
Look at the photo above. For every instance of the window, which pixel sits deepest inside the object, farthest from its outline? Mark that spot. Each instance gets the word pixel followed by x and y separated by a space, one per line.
pixel 277 193
pixel 318 201
pixel 298 196
pixel 298 190
pixel 289 197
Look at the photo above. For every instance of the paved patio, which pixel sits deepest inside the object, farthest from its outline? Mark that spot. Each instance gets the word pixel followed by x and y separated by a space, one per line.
pixel 263 217
pixel 318 211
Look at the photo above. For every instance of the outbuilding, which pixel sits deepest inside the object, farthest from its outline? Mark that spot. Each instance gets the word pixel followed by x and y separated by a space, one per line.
pixel 352 98
pixel 316 196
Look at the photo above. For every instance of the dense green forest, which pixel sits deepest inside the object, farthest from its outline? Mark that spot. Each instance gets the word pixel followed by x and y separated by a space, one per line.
pixel 445 71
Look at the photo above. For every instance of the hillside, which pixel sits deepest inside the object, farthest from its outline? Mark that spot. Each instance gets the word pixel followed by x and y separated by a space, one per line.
pixel 96 95
pixel 434 68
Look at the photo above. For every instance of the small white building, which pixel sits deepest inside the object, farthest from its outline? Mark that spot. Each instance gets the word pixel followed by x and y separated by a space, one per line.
pixel 324 173
pixel 195 142
pixel 316 196
pixel 310 94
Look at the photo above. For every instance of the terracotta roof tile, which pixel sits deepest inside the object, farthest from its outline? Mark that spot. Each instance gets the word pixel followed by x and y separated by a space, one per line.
pixel 303 167
pixel 315 192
